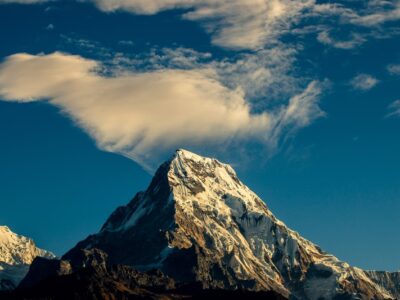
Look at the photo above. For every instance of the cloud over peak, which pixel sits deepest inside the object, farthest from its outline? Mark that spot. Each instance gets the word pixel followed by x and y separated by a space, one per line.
pixel 140 115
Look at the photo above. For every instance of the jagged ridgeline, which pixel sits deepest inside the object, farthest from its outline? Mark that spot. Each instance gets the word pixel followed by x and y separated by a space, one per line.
pixel 198 225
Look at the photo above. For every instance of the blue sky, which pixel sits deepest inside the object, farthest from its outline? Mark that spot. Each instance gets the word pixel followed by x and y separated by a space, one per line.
pixel 302 98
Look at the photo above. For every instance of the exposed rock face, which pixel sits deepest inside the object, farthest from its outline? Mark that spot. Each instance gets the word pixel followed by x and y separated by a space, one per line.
pixel 16 254
pixel 198 223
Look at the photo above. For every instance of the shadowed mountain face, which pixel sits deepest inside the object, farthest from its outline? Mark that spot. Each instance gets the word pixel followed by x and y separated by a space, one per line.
pixel 201 226
pixel 88 275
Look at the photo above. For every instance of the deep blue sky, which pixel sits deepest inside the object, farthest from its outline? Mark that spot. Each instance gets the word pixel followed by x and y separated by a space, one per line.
pixel 336 181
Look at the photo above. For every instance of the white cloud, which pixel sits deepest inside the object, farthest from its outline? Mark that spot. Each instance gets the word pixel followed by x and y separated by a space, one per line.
pixel 236 24
pixel 364 82
pixel 394 109
pixel 393 69
pixel 355 40
pixel 140 115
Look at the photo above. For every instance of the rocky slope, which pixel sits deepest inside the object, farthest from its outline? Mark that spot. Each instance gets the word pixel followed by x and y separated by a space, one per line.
pixel 88 275
pixel 198 223
pixel 388 280
pixel 16 254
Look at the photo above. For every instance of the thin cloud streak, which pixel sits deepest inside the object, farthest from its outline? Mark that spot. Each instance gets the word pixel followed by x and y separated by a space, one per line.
pixel 394 109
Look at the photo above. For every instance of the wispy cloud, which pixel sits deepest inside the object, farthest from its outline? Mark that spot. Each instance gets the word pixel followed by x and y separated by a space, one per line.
pixel 235 24
pixel 377 12
pixel 301 111
pixel 264 75
pixel 244 24
pixel 364 82
pixel 355 40
pixel 394 109
pixel 141 115
pixel 372 19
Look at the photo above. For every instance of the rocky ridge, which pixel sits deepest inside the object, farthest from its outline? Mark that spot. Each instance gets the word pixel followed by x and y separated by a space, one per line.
pixel 88 275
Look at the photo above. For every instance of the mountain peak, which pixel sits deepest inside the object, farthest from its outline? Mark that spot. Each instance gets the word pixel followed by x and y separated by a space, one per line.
pixel 197 222
pixel 191 156
pixel 206 182
pixel 16 254
pixel 17 249
pixel 187 168
pixel 187 153
pixel 184 157
pixel 7 239
pixel 4 228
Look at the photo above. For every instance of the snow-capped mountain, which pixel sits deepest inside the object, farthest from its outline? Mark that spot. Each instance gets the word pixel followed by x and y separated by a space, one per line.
pixel 197 222
pixel 16 254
